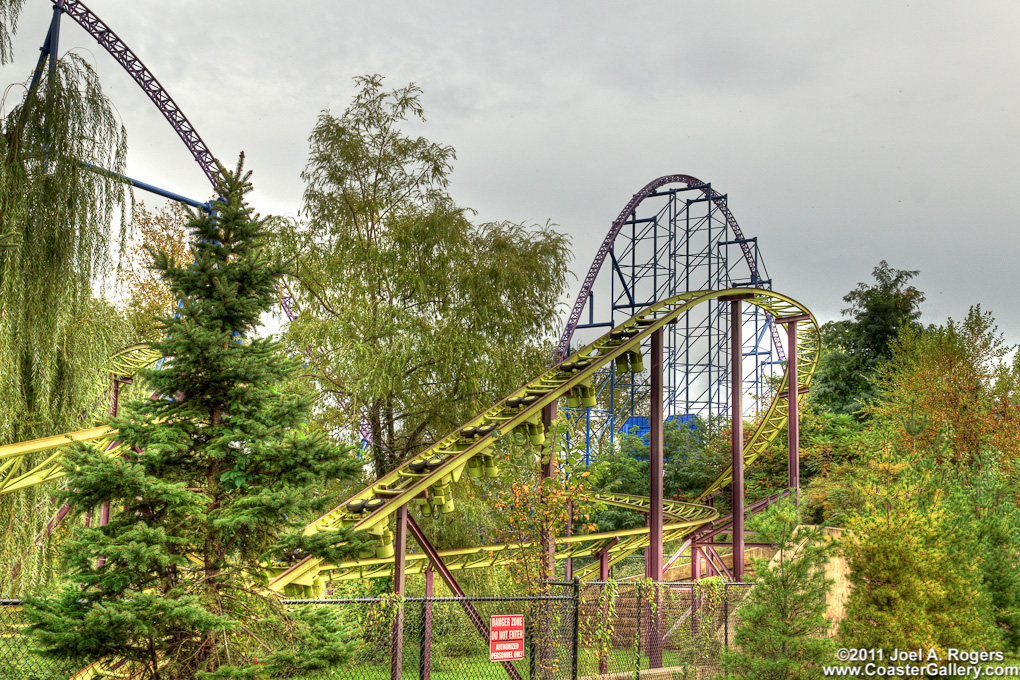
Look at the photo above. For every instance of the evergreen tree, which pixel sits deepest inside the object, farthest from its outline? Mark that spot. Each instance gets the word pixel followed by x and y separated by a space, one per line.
pixel 914 579
pixel 222 476
pixel 783 629
pixel 981 499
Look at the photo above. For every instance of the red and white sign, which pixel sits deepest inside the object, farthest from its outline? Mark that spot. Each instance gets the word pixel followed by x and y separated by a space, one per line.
pixel 506 637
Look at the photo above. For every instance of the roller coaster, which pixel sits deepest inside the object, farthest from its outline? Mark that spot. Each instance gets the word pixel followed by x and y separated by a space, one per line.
pixel 428 483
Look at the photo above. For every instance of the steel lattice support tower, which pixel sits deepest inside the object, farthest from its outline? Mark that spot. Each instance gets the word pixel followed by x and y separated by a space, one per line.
pixel 676 235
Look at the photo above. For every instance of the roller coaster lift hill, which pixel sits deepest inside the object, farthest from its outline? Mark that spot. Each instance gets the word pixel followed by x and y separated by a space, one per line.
pixel 674 296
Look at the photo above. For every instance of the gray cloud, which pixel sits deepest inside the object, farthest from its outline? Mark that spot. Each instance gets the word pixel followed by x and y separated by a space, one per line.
pixel 843 133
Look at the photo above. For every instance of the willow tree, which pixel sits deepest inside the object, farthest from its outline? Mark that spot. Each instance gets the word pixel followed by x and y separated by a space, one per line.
pixel 10 10
pixel 415 317
pixel 56 217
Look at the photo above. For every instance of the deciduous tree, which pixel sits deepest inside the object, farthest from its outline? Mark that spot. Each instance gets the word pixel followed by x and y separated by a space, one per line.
pixel 956 379
pixel 415 317
pixel 148 296
pixel 57 217
pixel 854 348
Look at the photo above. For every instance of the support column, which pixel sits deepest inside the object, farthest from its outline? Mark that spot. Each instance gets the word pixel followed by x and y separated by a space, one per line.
pixel 653 556
pixel 548 467
pixel 569 562
pixel 793 392
pixel 655 455
pixel 737 435
pixel 451 583
pixel 695 576
pixel 604 576
pixel 399 578
pixel 104 512
pixel 793 426
pixel 104 509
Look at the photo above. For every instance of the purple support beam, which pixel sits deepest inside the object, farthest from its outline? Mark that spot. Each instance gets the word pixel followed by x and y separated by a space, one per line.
pixel 569 562
pixel 604 559
pixel 653 556
pixel 724 524
pixel 548 466
pixel 399 581
pixel 737 431
pixel 451 583
pixel 104 509
pixel 695 576
pixel 793 426
pixel 655 454
pixel 793 393
pixel 604 576
pixel 669 563
pixel 721 565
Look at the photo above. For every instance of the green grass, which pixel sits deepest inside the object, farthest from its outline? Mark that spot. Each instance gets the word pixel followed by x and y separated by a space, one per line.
pixel 478 667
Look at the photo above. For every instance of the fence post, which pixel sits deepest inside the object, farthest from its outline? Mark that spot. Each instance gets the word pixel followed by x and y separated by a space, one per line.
pixel 726 614
pixel 423 661
pixel 426 627
pixel 577 617
pixel 638 607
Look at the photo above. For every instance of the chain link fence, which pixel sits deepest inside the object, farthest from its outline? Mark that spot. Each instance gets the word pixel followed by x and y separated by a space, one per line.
pixel 591 630
pixel 438 638
pixel 17 661
pixel 680 628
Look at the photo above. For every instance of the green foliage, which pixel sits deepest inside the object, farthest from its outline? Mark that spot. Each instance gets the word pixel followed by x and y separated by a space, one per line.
pixel 853 349
pixel 693 455
pixel 698 641
pixel 59 213
pixel 980 504
pixel 595 628
pixel 10 10
pixel 915 581
pixel 783 627
pixel 223 477
pixel 955 379
pixel 420 316
pixel 56 336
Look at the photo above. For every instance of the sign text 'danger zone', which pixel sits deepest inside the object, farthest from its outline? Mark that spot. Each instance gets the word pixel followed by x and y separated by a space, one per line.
pixel 506 637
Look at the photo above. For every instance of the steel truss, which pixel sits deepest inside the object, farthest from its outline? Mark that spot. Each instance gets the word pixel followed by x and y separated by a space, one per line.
pixel 676 235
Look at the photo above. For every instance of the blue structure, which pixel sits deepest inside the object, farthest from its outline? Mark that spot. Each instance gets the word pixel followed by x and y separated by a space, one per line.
pixel 639 425
pixel 676 235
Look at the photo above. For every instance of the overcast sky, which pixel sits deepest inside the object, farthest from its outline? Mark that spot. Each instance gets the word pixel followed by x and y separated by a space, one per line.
pixel 843 133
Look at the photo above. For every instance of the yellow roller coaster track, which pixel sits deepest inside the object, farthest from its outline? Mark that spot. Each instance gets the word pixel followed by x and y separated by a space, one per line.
pixel 468 448
pixel 13 457
pixel 427 480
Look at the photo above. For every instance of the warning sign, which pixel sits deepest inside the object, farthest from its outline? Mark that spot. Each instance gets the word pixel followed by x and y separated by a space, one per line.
pixel 506 638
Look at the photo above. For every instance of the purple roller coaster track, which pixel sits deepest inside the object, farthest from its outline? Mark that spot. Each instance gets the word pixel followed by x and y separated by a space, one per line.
pixel 672 259
pixel 119 50
pixel 563 347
